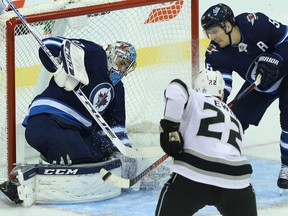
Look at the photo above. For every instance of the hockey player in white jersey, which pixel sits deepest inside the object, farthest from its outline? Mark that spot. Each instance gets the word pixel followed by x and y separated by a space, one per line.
pixel 205 138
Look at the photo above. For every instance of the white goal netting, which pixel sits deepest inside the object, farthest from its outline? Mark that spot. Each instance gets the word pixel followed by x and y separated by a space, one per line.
pixel 161 33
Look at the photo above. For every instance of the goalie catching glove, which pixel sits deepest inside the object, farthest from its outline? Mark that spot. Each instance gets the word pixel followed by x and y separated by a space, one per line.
pixel 268 65
pixel 171 139
pixel 72 70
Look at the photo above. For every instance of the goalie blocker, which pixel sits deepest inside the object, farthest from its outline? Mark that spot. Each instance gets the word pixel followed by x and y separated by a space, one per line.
pixel 62 184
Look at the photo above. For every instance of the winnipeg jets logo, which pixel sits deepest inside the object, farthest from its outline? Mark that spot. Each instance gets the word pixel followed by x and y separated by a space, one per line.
pixel 102 99
pixel 211 48
pixel 251 18
pixel 215 11
pixel 101 96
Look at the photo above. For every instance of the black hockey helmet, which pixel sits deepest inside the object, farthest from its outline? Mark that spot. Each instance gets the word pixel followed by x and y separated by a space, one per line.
pixel 217 15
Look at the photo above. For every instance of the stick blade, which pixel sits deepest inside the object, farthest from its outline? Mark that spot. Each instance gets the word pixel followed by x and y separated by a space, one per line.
pixel 115 180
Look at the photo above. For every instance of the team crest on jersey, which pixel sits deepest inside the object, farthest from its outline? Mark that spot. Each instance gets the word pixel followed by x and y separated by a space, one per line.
pixel 251 18
pixel 242 47
pixel 101 96
pixel 211 48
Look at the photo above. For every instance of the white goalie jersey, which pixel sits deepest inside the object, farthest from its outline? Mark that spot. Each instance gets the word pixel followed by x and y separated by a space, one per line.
pixel 212 138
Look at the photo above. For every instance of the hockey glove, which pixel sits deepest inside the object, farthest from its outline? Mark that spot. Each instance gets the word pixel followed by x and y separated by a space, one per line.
pixel 268 66
pixel 171 139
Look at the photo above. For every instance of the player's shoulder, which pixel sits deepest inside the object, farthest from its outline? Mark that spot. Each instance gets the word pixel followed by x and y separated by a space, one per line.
pixel 53 41
pixel 213 48
pixel 180 86
pixel 252 20
pixel 93 52
pixel 89 45
pixel 216 56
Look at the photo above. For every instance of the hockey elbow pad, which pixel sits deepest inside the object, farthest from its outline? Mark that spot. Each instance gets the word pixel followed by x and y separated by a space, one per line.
pixel 171 139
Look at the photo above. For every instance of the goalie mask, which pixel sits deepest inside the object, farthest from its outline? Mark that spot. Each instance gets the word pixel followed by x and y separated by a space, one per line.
pixel 121 60
pixel 210 82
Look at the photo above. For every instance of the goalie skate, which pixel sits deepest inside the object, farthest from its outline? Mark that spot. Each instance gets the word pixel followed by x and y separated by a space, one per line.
pixel 9 188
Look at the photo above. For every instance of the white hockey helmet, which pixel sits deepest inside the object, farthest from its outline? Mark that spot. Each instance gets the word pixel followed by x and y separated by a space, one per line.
pixel 210 82
pixel 123 50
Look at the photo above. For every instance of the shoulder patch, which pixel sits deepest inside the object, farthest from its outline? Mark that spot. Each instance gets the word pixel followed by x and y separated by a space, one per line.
pixel 211 48
pixel 251 18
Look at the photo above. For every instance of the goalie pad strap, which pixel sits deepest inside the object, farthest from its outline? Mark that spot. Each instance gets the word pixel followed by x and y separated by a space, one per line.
pixel 71 170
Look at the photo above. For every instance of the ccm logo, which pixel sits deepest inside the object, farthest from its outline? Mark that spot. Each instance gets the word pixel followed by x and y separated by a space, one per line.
pixel 60 171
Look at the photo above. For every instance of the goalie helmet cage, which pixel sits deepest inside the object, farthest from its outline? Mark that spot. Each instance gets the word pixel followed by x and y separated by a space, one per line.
pixel 164 33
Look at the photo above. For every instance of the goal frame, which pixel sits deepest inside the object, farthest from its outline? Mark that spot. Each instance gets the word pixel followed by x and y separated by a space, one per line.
pixel 10 42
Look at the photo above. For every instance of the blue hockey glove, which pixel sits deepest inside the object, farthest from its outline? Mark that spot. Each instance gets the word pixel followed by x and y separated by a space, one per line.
pixel 268 66
pixel 171 139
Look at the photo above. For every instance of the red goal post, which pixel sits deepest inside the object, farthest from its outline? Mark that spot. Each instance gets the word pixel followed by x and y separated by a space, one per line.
pixel 165 34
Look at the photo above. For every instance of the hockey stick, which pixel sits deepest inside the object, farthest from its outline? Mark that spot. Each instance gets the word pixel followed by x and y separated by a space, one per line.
pixel 117 181
pixel 127 151
pixel 245 92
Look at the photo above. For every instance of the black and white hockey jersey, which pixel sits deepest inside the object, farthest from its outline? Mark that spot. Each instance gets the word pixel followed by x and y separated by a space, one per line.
pixel 212 138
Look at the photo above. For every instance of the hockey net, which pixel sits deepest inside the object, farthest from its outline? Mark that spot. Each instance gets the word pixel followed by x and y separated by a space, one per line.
pixel 159 29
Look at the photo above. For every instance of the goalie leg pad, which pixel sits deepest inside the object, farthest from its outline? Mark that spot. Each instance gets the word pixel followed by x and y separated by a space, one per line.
pixel 26 189
pixel 39 183
pixel 21 190
pixel 76 183
pixel 9 189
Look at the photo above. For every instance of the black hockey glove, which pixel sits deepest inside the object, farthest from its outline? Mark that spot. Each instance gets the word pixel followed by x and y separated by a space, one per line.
pixel 268 66
pixel 171 139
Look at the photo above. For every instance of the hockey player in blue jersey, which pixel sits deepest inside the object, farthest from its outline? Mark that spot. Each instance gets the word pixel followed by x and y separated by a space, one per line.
pixel 67 129
pixel 251 44
pixel 58 125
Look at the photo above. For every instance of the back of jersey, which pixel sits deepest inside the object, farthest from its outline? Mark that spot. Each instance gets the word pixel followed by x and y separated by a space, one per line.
pixel 212 144
pixel 210 124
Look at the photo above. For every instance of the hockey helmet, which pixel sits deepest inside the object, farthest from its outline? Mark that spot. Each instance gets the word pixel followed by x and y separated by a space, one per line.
pixel 210 82
pixel 125 51
pixel 217 15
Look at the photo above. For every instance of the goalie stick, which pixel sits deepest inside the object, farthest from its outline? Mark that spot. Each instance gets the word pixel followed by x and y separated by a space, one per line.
pixel 144 152
pixel 245 92
pixel 118 181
